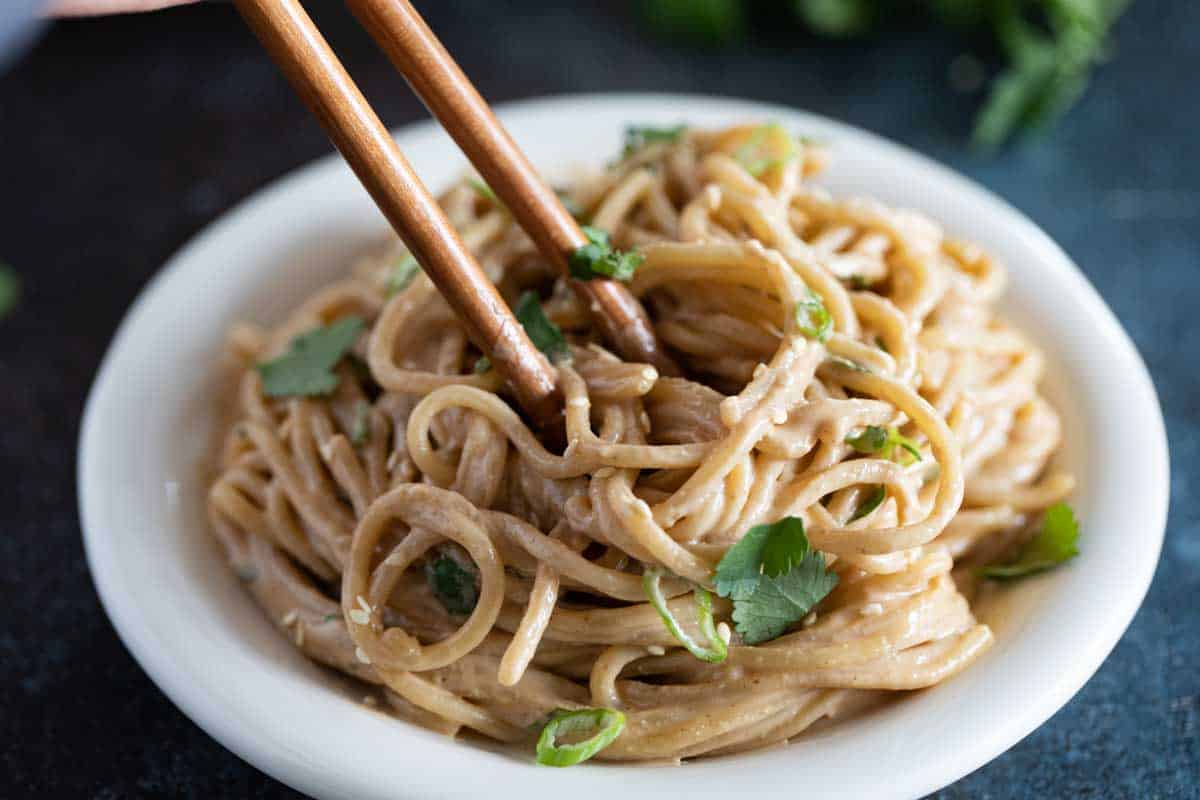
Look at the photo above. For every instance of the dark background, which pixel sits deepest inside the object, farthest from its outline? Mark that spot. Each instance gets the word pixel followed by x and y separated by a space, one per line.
pixel 120 138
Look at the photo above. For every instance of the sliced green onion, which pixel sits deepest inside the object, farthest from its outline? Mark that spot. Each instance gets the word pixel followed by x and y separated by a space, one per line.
pixel 485 191
pixel 718 650
pixel 607 723
pixel 361 431
pixel 847 363
pixel 754 154
pixel 872 501
pixel 909 447
pixel 401 275
pixel 812 318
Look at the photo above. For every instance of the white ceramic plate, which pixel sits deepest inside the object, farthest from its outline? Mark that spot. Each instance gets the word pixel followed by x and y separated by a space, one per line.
pixel 150 419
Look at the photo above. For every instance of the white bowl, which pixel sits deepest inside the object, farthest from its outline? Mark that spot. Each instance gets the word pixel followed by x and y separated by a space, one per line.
pixel 151 417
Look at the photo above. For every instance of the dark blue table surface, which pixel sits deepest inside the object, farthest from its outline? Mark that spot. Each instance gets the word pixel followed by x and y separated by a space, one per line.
pixel 122 137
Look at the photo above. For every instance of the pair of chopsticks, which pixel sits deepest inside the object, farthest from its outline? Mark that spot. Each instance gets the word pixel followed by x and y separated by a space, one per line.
pixel 303 55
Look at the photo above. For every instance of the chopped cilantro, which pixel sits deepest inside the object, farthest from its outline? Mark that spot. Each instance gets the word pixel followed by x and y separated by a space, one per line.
pixel 330 617
pixel 598 259
pixel 872 501
pixel 774 579
pixel 638 136
pixel 452 585
pixel 10 289
pixel 812 318
pixel 1056 542
pixel 401 275
pixel 544 334
pixel 570 205
pixel 875 440
pixel 306 369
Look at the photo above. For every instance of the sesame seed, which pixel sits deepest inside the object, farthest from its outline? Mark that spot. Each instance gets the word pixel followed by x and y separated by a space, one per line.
pixel 359 617
pixel 871 610
pixel 809 620
pixel 288 618
pixel 724 632
pixel 363 604
pixel 361 655
pixel 656 650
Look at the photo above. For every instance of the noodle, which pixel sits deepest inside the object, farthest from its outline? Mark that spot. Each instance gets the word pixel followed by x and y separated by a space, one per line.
pixel 344 512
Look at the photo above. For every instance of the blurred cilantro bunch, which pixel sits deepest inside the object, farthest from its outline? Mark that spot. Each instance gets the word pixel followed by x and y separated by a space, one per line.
pixel 1049 46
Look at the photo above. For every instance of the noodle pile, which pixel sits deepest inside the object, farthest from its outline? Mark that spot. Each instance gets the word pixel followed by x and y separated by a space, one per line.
pixel 348 514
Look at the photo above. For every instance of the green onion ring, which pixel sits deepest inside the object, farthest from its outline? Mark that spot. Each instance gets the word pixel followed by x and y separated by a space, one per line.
pixel 607 723
pixel 718 650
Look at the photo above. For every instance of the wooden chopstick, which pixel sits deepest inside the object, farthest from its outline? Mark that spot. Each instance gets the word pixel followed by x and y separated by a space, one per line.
pixel 303 55
pixel 448 93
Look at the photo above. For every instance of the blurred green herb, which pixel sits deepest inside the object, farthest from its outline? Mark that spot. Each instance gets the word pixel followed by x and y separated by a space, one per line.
pixel 1049 46
pixel 10 289
pixel 599 259
pixel 401 275
pixel 638 136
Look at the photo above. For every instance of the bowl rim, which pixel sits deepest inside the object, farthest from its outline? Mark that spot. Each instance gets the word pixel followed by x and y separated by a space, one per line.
pixel 282 762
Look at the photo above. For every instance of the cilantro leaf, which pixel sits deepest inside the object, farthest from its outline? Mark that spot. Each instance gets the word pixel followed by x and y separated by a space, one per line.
pixel 778 603
pixel 306 370
pixel 10 289
pixel 545 335
pixel 812 318
pixel 774 579
pixel 1055 543
pixel 785 547
pixel 452 585
pixel 741 568
pixel 401 275
pixel 884 441
pixel 638 136
pixel 871 502
pixel 598 259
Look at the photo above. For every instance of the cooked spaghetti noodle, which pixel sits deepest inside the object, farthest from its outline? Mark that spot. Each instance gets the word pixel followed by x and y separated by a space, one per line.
pixel 350 514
